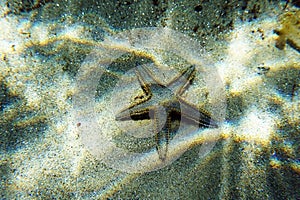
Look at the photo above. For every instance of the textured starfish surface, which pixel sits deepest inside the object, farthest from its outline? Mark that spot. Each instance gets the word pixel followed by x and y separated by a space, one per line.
pixel 164 104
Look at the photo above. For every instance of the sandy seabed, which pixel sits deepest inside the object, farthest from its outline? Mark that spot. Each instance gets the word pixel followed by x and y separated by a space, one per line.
pixel 58 109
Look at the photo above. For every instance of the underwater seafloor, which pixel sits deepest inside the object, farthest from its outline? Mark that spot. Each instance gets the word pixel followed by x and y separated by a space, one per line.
pixel 67 67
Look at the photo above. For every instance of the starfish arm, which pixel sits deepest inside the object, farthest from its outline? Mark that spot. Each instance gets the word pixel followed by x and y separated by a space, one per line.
pixel 138 111
pixel 197 116
pixel 143 83
pixel 146 78
pixel 179 84
pixel 162 136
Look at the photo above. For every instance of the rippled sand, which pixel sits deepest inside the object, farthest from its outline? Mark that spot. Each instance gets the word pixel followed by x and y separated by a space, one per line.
pixel 59 137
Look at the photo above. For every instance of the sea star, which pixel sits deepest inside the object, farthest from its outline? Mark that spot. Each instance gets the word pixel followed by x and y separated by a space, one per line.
pixel 164 104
